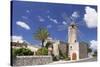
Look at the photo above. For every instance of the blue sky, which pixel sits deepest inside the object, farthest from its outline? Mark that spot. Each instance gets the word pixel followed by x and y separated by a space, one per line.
pixel 27 17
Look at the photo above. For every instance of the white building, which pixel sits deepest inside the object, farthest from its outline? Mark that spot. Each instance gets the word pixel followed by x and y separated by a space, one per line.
pixel 33 48
pixel 55 45
pixel 25 44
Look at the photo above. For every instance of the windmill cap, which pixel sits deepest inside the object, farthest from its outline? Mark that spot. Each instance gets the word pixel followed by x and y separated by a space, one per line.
pixel 73 23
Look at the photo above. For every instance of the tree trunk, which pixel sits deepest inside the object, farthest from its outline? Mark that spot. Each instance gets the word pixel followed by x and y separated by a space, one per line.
pixel 42 43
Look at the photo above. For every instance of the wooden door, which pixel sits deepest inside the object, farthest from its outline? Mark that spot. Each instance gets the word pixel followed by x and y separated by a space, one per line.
pixel 74 56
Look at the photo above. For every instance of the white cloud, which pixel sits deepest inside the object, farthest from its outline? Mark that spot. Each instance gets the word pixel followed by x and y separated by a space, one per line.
pixel 17 39
pixel 75 14
pixel 53 20
pixel 64 23
pixel 24 17
pixel 27 11
pixel 41 19
pixel 93 45
pixel 23 25
pixel 90 17
pixel 49 26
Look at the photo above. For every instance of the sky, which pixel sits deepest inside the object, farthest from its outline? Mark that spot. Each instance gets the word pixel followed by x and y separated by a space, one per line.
pixel 27 17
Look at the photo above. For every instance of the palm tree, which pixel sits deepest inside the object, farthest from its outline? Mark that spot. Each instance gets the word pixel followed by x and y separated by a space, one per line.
pixel 41 34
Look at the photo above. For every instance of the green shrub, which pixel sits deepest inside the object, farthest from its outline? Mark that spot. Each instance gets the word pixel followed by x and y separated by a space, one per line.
pixel 89 50
pixel 55 58
pixel 95 54
pixel 67 58
pixel 62 55
pixel 48 44
pixel 14 52
pixel 42 51
pixel 21 52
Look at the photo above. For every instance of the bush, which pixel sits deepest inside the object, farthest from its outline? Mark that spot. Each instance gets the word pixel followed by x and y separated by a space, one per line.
pixel 48 44
pixel 62 55
pixel 95 54
pixel 14 52
pixel 21 52
pixel 89 50
pixel 67 58
pixel 55 58
pixel 42 51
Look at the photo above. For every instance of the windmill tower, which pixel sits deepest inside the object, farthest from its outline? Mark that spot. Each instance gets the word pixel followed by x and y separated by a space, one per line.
pixel 72 41
pixel 72 30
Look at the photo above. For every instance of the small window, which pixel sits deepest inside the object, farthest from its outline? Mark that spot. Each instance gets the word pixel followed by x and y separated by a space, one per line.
pixel 75 40
pixel 72 26
pixel 71 47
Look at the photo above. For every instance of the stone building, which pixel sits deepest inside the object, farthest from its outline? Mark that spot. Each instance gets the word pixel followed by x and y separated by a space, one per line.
pixel 56 46
pixel 18 44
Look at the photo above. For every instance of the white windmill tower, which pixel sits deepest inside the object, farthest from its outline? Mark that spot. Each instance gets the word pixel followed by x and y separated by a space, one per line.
pixel 73 34
pixel 73 47
pixel 76 50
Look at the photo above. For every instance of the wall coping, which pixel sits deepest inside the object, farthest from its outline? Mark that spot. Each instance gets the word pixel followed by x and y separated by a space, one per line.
pixel 34 56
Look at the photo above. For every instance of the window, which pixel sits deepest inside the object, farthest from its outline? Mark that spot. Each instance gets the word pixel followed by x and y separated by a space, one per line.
pixel 75 40
pixel 71 47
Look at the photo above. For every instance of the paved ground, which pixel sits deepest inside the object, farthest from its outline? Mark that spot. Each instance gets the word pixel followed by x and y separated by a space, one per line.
pixel 88 60
pixel 82 60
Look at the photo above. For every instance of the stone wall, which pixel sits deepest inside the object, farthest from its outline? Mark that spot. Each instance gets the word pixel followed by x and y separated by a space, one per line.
pixel 63 47
pixel 31 60
pixel 83 51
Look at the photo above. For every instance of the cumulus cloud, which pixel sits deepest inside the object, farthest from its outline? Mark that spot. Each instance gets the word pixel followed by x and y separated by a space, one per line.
pixel 23 25
pixel 64 23
pixel 53 20
pixel 90 17
pixel 93 45
pixel 75 14
pixel 41 19
pixel 17 39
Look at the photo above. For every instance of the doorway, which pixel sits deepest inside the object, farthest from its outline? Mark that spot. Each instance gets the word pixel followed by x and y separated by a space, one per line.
pixel 74 56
